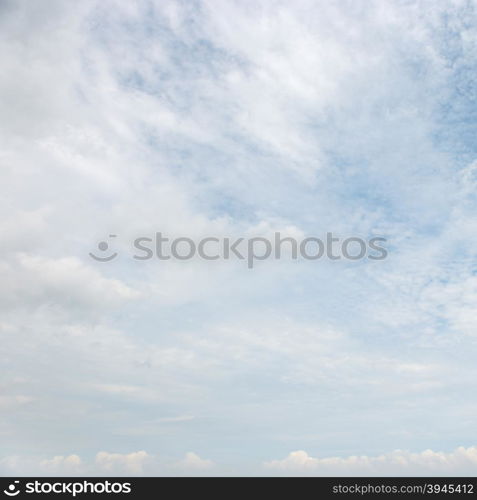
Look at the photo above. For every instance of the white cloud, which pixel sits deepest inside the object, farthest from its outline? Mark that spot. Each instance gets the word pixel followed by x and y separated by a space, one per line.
pixel 132 463
pixel 128 118
pixel 192 461
pixel 461 461
pixel 69 464
pixel 105 463
pixel 65 282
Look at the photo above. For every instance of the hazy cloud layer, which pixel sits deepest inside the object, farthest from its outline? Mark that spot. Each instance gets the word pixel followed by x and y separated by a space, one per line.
pixel 237 120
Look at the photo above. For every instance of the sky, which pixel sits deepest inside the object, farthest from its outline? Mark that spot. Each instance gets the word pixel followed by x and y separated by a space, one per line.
pixel 238 119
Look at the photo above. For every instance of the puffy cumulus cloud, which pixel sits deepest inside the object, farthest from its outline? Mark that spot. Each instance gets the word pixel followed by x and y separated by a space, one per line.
pixel 460 461
pixel 142 463
pixel 192 462
pixel 30 281
pixel 106 463
pixel 70 463
pixel 132 463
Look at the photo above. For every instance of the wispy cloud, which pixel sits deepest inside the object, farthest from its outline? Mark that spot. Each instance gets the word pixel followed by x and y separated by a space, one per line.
pixel 240 119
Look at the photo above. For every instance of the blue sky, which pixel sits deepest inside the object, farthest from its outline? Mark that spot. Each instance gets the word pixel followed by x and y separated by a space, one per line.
pixel 238 119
